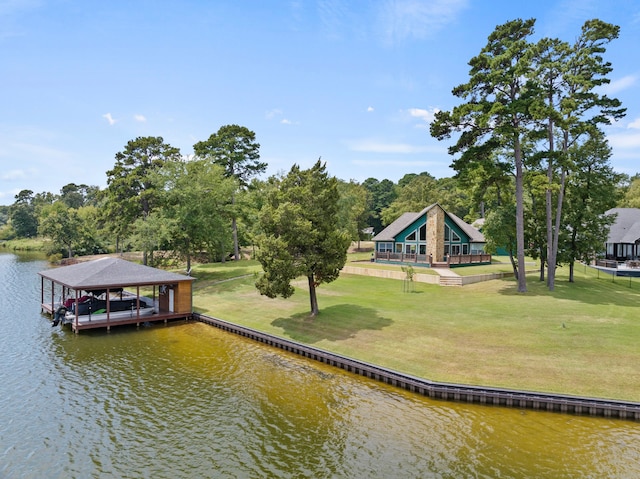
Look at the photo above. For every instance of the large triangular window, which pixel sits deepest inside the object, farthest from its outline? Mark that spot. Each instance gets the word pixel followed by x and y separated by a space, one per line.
pixel 411 237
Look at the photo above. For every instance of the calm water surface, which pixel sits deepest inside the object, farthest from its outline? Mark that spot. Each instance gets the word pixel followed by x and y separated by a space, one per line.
pixel 190 401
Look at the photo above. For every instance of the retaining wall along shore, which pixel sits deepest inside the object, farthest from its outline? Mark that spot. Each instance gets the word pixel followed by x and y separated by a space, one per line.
pixel 446 391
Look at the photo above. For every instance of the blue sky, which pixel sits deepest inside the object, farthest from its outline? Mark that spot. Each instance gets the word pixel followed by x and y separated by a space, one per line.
pixel 354 82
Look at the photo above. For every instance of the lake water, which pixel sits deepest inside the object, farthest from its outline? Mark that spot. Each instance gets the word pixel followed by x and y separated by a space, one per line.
pixel 190 401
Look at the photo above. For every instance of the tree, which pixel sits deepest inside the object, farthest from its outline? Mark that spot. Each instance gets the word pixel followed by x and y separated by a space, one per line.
pixel 131 193
pixel 418 193
pixel 381 194
pixel 631 198
pixel 299 236
pixel 62 225
pixel 591 190
pixel 353 212
pixel 197 205
pixel 76 196
pixel 496 114
pixel 568 108
pixel 24 218
pixel 500 232
pixel 235 149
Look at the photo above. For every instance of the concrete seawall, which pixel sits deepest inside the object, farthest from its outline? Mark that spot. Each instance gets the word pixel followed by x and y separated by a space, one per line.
pixel 445 391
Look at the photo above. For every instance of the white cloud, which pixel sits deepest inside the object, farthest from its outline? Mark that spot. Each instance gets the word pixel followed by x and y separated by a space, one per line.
pixel 620 84
pixel 278 114
pixel 138 118
pixel 370 109
pixel 109 118
pixel 427 115
pixel 271 114
pixel 625 141
pixel 635 124
pixel 402 19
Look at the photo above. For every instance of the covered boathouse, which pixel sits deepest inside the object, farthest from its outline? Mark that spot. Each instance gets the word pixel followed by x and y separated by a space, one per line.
pixel 106 284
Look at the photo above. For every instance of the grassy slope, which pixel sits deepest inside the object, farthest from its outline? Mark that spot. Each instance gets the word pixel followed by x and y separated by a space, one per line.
pixel 581 339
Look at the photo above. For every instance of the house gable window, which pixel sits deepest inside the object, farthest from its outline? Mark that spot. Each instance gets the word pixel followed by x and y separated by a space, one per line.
pixel 411 237
pixel 450 235
pixel 423 233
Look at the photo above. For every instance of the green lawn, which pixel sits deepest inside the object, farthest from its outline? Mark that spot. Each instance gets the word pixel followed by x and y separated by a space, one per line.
pixel 581 339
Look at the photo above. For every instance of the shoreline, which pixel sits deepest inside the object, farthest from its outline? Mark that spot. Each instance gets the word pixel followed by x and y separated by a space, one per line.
pixel 558 403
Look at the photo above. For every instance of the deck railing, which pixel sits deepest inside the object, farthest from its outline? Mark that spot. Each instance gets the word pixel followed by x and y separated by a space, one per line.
pixel 450 260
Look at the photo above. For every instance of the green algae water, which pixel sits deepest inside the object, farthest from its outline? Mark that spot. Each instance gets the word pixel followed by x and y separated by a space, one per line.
pixel 190 401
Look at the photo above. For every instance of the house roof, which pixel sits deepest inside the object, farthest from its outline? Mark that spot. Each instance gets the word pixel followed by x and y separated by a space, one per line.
pixel 626 228
pixel 406 219
pixel 110 273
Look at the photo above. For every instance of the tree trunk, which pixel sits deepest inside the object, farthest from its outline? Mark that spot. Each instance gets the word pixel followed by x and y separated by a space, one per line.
pixel 234 230
pixel 522 277
pixel 571 268
pixel 236 248
pixel 513 264
pixel 312 296
pixel 549 198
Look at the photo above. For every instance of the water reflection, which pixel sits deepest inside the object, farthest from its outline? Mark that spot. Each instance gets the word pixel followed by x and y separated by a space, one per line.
pixel 189 401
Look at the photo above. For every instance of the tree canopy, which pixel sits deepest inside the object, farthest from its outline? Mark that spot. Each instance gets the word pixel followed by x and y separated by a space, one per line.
pixel 234 148
pixel 299 235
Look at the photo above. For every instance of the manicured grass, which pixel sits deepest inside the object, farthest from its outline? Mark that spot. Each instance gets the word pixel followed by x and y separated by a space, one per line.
pixel 24 244
pixel 580 339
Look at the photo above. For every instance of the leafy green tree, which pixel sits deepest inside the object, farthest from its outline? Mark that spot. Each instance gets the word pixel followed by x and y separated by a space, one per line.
pixel 132 193
pixel 569 107
pixel 24 218
pixel 353 209
pixel 418 193
pixel 151 233
pixel 495 114
pixel 76 196
pixel 198 208
pixel 235 149
pixel 631 197
pixel 381 194
pixel 500 232
pixel 299 236
pixel 488 185
pixel 454 198
pixel 591 190
pixel 62 225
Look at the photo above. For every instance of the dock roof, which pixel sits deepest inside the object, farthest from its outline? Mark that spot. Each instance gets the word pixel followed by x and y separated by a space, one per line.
pixel 110 273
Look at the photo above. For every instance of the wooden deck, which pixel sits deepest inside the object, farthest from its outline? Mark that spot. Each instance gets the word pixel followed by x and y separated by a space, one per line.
pixel 427 260
pixel 84 324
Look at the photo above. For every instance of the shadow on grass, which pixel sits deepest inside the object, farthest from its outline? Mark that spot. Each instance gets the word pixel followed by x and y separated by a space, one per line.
pixel 334 323
pixel 587 290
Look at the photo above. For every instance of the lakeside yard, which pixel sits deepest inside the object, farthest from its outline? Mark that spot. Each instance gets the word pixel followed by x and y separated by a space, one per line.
pixel 581 339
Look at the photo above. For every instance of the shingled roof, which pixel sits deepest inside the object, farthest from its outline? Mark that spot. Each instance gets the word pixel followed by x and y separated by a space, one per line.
pixel 406 219
pixel 626 228
pixel 110 273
